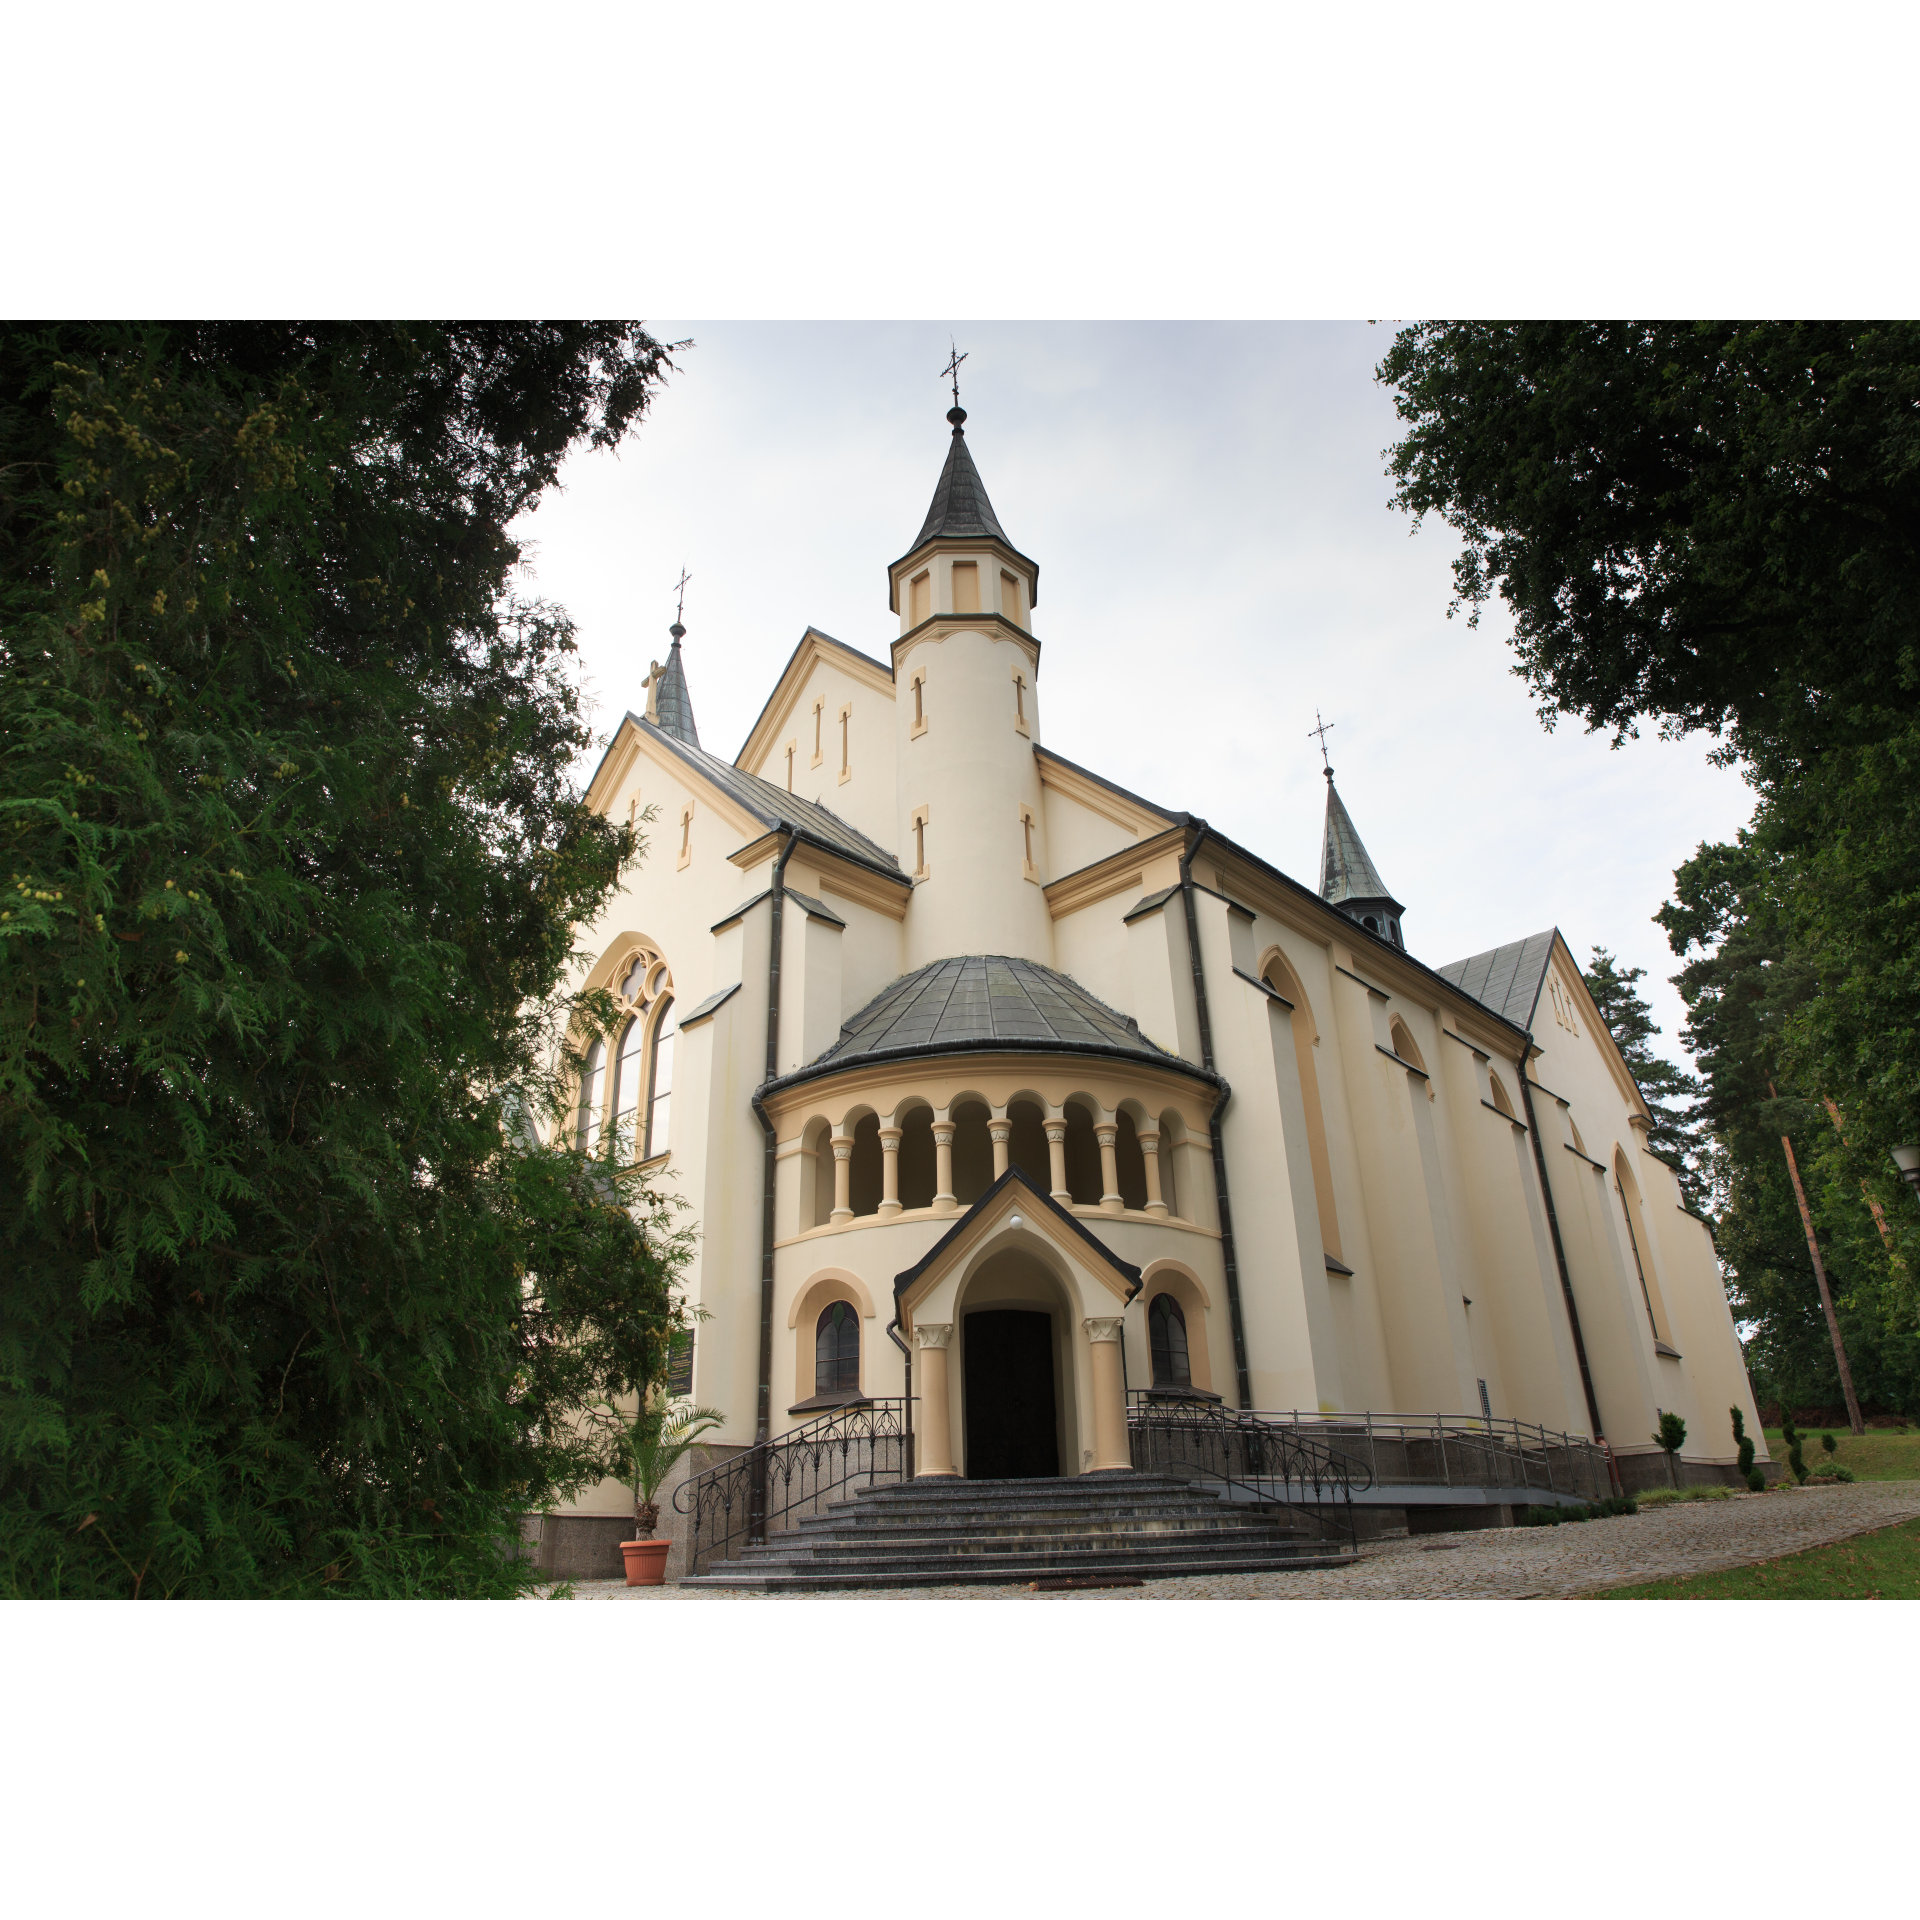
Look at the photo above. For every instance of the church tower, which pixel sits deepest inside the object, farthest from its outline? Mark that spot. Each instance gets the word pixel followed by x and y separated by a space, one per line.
pixel 966 666
pixel 1348 878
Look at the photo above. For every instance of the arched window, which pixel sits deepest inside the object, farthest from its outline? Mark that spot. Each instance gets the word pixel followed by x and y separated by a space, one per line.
pixel 1083 1157
pixel 1131 1165
pixel 1500 1098
pixel 593 1081
pixel 866 1174
pixel 1280 976
pixel 626 1084
pixel 836 1350
pixel 660 1080
pixel 1404 1046
pixel 1167 1335
pixel 1027 1144
pixel 918 1174
pixel 972 1152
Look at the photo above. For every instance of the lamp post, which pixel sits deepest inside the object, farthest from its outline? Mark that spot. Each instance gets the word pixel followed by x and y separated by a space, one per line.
pixel 1907 1159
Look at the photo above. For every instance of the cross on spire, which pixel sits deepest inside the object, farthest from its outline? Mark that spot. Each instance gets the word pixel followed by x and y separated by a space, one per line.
pixel 1324 728
pixel 680 587
pixel 951 371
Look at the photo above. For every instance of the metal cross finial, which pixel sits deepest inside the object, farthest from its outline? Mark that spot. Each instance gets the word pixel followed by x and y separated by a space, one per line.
pixel 952 369
pixel 1322 730
pixel 680 586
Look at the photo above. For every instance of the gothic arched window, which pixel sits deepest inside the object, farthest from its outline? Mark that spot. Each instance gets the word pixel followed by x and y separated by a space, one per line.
pixel 836 1350
pixel 1167 1335
pixel 626 1084
pixel 660 1080
pixel 593 1080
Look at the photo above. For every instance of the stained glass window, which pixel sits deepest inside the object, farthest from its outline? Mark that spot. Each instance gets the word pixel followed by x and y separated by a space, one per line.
pixel 836 1350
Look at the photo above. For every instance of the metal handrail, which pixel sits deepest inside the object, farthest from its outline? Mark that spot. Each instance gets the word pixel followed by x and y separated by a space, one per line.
pixel 1268 1461
pixel 806 1463
pixel 1468 1450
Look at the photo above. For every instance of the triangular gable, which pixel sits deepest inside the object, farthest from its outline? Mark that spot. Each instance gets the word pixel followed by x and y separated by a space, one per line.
pixel 1014 1189
pixel 787 690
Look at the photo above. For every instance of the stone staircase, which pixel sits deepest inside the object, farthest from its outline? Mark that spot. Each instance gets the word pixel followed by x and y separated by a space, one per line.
pixel 1098 1528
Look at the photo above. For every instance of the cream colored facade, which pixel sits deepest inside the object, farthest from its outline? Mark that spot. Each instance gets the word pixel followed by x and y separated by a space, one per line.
pixel 1384 1240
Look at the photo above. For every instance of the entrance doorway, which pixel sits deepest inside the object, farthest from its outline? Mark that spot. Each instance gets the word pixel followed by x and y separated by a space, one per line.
pixel 1009 1396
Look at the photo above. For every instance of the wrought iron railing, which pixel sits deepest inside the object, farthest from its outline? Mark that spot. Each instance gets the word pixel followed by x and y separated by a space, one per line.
pixel 1262 1460
pixel 771 1487
pixel 1458 1450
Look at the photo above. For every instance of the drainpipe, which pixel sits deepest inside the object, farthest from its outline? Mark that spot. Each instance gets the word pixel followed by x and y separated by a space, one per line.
pixel 763 1417
pixel 1241 1383
pixel 1559 1249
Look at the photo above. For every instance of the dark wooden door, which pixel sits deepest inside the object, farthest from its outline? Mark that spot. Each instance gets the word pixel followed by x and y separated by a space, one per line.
pixel 1009 1396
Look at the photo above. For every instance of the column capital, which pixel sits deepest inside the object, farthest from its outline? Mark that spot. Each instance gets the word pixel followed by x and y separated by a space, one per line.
pixel 1056 1130
pixel 1106 1131
pixel 936 1337
pixel 1102 1329
pixel 943 1131
pixel 890 1138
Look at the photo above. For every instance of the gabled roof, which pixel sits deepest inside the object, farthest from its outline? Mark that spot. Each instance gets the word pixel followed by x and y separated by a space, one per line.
pixel 1507 979
pixel 774 806
pixel 1347 871
pixel 987 1003
pixel 1042 1201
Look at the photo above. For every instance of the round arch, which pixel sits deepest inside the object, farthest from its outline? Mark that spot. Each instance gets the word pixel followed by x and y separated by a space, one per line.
pixel 1175 1278
pixel 817 1293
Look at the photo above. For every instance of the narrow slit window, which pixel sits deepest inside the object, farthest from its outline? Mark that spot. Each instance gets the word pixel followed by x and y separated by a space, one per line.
pixel 1020 700
pixel 819 717
pixel 846 741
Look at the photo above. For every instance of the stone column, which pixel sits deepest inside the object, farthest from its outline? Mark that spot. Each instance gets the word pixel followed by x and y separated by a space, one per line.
pixel 943 1200
pixel 842 1179
pixel 1002 1132
pixel 1110 1452
pixel 934 1431
pixel 889 1169
pixel 1150 1152
pixel 1057 1160
pixel 1107 1132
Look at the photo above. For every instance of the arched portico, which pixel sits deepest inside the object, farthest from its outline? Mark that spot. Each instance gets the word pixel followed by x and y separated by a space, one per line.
pixel 1015 1320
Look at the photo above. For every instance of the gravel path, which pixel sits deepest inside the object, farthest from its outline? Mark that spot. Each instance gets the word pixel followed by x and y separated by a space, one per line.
pixel 1506 1563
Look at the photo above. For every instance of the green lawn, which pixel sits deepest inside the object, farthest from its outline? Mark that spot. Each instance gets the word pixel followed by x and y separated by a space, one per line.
pixel 1874 1456
pixel 1884 1565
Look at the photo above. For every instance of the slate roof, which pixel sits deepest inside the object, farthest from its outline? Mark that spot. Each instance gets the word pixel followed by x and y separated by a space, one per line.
pixel 977 1002
pixel 674 701
pixel 961 509
pixel 1347 871
pixel 1508 979
pixel 774 806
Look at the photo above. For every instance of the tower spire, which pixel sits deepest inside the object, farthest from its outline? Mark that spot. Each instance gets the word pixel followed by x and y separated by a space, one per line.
pixel 1348 878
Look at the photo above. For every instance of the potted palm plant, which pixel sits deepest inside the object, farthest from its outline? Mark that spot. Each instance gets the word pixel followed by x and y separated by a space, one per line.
pixel 651 1443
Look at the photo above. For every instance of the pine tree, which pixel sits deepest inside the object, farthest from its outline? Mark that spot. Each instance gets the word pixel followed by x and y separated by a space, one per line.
pixel 1677 1135
pixel 295 1301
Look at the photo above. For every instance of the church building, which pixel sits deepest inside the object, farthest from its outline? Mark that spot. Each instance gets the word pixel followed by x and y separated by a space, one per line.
pixel 975 1062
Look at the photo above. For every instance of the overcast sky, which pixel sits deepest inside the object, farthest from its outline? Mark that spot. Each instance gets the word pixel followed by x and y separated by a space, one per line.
pixel 1208 507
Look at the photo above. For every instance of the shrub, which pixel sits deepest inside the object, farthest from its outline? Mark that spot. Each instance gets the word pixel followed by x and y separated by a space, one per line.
pixel 1826 1443
pixel 1742 1442
pixel 1756 1480
pixel 1796 1459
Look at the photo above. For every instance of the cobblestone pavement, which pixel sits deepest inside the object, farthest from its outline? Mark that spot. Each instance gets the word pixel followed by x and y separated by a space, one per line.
pixel 1505 1563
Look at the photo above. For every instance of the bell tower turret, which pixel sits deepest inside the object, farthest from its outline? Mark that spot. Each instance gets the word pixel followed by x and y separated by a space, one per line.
pixel 966 668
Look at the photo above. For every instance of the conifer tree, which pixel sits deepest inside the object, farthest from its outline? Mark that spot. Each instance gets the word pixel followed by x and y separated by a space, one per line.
pixel 1675 1135
pixel 296 1302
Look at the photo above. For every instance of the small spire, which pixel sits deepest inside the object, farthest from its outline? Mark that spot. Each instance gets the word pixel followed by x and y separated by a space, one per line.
pixel 1348 878
pixel 669 705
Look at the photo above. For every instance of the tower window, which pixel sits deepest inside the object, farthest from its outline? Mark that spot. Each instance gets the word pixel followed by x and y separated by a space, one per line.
pixel 791 749
pixel 836 1350
pixel 819 715
pixel 1019 700
pixel 1010 597
pixel 920 843
pixel 919 705
pixel 846 742
pixel 966 586
pixel 919 599
pixel 1167 1337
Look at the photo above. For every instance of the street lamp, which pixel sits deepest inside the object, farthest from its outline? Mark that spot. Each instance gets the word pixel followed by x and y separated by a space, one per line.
pixel 1907 1159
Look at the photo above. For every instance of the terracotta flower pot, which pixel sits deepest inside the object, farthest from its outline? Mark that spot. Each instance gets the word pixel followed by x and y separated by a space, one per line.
pixel 646 1562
